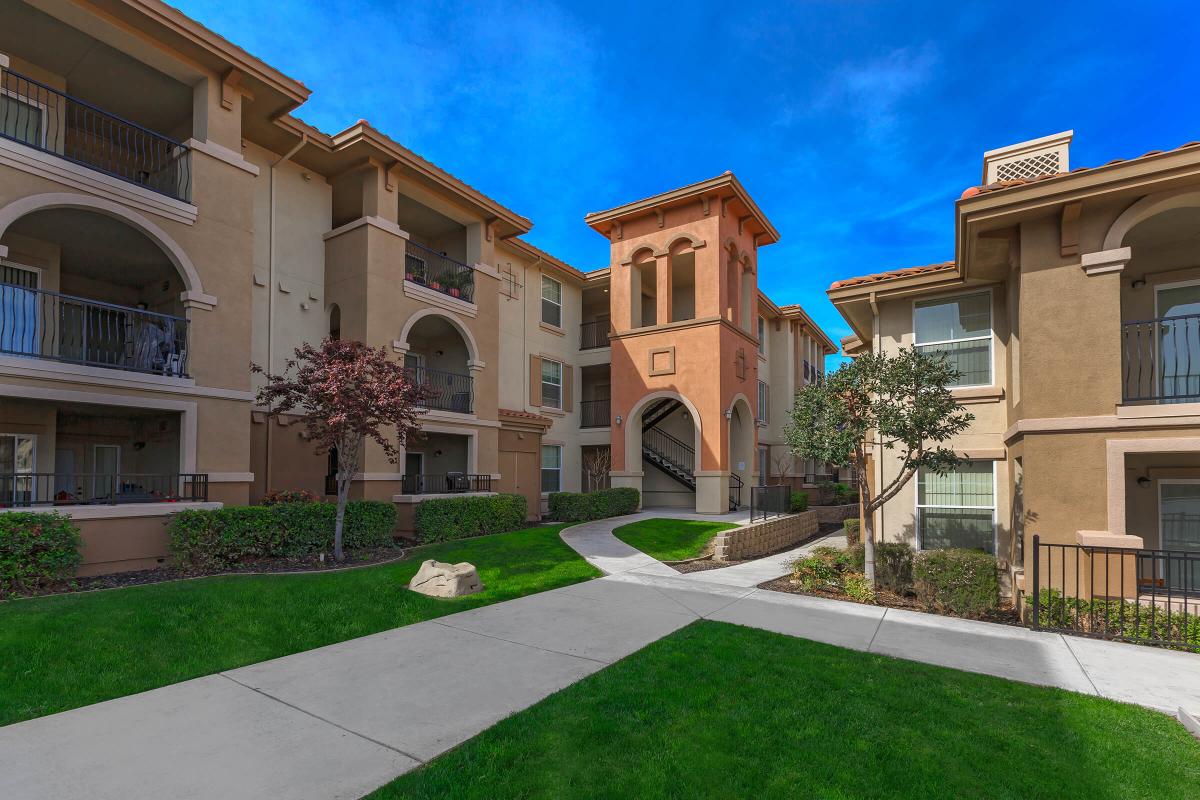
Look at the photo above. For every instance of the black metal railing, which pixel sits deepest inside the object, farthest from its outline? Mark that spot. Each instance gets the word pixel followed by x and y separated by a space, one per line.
pixel 667 447
pixel 60 327
pixel 450 483
pixel 594 413
pixel 50 489
pixel 1161 359
pixel 46 119
pixel 735 491
pixel 1142 596
pixel 439 272
pixel 593 335
pixel 442 390
pixel 769 501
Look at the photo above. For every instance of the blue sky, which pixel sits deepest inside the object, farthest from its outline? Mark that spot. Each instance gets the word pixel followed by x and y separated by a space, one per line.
pixel 855 125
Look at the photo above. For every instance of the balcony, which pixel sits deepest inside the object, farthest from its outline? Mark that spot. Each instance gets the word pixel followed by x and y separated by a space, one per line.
pixel 442 390
pixel 72 489
pixel 51 121
pixel 437 271
pixel 594 335
pixel 594 413
pixel 452 483
pixel 59 327
pixel 1161 360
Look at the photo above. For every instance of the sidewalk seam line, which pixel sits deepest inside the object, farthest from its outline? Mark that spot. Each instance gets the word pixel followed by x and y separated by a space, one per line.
pixel 1082 668
pixel 269 696
pixel 520 644
pixel 882 617
pixel 730 603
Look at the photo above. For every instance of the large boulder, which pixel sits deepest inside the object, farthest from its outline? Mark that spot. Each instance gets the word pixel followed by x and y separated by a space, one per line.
pixel 438 579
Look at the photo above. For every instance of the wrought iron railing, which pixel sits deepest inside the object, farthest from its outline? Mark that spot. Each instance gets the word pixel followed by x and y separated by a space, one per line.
pixel 51 489
pixel 735 491
pixel 439 272
pixel 769 501
pixel 46 119
pixel 593 335
pixel 594 413
pixel 444 391
pixel 1161 359
pixel 667 447
pixel 1143 596
pixel 450 483
pixel 60 327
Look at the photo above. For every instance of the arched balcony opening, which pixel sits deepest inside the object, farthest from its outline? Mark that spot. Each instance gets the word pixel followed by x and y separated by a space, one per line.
pixel 438 358
pixel 644 291
pixel 683 285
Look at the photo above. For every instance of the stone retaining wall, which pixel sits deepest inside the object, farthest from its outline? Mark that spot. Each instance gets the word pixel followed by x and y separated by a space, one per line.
pixel 761 538
pixel 827 515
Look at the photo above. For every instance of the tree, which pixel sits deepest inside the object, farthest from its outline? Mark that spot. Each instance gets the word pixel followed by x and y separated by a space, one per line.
pixel 900 404
pixel 597 464
pixel 783 465
pixel 344 393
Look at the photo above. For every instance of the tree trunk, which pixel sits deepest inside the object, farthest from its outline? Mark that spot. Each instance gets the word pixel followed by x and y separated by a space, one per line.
pixel 343 495
pixel 868 525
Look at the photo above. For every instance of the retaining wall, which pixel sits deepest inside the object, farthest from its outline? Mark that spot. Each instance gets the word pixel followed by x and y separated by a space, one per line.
pixel 763 538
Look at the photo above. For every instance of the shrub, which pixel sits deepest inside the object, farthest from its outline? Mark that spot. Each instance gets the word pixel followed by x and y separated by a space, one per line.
pixel 857 555
pixel 894 566
pixel 857 588
pixel 958 582
pixel 822 569
pixel 1116 618
pixel 36 549
pixel 282 496
pixel 799 502
pixel 447 518
pixel 853 535
pixel 219 538
pixel 843 494
pixel 582 507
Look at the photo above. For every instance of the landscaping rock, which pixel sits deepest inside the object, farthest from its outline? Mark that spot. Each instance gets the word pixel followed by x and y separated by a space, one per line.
pixel 438 579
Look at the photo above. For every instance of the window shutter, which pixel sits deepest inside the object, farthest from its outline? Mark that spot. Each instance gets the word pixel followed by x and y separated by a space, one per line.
pixel 535 380
pixel 568 372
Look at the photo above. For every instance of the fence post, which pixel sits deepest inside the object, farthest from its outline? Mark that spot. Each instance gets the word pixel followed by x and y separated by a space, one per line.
pixel 1037 594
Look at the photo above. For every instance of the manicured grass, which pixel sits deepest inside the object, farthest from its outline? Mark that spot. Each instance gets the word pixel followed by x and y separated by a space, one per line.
pixel 67 651
pixel 670 539
pixel 720 711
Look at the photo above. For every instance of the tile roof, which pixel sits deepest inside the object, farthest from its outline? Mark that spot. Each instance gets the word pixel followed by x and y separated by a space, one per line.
pixel 907 272
pixel 512 412
pixel 973 191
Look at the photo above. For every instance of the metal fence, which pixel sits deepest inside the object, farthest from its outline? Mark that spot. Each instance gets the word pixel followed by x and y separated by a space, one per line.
pixel 50 489
pixel 46 119
pixel 594 334
pixel 438 272
pixel 1161 359
pixel 769 501
pixel 451 483
pixel 1143 596
pixel 60 327
pixel 442 390
pixel 594 413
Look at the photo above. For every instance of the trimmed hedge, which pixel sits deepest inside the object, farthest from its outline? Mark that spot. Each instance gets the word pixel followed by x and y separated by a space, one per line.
pixel 218 538
pixel 446 518
pixel 799 502
pixel 958 582
pixel 36 548
pixel 577 507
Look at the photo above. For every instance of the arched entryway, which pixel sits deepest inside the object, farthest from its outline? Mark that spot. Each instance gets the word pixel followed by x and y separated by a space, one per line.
pixel 663 441
pixel 742 439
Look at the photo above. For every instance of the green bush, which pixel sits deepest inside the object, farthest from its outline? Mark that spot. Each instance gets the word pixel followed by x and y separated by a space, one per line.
pixel 857 588
pixel 35 549
pixel 1116 618
pixel 853 535
pixel 894 566
pixel 822 569
pixel 281 496
pixel 582 507
pixel 219 538
pixel 843 494
pixel 799 502
pixel 446 518
pixel 958 582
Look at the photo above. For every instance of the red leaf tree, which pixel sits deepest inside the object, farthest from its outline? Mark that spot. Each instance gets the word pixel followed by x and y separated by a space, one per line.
pixel 345 393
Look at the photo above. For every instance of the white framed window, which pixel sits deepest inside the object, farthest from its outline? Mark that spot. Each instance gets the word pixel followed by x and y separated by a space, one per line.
pixel 957 509
pixel 551 468
pixel 764 402
pixel 18 453
pixel 551 301
pixel 961 329
pixel 762 336
pixel 552 384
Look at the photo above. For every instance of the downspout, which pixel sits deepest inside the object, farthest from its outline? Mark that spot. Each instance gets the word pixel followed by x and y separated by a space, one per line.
pixel 271 289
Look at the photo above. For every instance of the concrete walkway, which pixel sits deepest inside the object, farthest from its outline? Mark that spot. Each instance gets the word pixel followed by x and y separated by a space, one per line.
pixel 339 721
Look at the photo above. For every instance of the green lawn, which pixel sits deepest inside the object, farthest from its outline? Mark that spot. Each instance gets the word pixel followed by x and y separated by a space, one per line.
pixel 670 539
pixel 67 651
pixel 720 711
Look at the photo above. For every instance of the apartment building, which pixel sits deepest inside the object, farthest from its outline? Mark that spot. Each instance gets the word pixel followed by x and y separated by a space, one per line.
pixel 166 220
pixel 1072 312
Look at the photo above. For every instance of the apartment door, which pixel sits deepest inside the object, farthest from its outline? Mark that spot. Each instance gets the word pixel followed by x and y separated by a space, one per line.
pixel 1179 531
pixel 1177 305
pixel 106 471
pixel 414 468
pixel 64 472
pixel 16 469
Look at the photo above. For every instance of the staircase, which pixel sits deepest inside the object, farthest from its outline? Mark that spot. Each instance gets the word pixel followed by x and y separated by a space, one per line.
pixel 678 459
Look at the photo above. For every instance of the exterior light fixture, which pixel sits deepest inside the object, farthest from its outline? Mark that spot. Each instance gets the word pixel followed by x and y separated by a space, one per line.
pixel 618 419
pixel 1139 283
pixel 729 413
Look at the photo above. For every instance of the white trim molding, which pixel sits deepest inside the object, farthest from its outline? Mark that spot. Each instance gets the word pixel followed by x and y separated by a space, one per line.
pixel 222 153
pixel 434 297
pixel 1116 450
pixel 44 369
pixel 375 222
pixel 1106 261
pixel 1149 206
pixel 230 477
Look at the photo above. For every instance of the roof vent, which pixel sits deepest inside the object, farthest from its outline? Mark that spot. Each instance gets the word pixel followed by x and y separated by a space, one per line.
pixel 1028 160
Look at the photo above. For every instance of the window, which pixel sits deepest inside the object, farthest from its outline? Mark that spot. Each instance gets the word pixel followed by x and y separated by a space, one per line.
pixel 22 120
pixel 551 302
pixel 552 377
pixel 551 468
pixel 762 336
pixel 961 329
pixel 764 402
pixel 16 469
pixel 957 509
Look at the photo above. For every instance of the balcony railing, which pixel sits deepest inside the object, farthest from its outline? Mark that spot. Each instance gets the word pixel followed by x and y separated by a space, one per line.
pixel 60 327
pixel 444 391
pixel 1161 359
pixel 451 483
pixel 594 413
pixel 593 335
pixel 439 272
pixel 50 489
pixel 46 119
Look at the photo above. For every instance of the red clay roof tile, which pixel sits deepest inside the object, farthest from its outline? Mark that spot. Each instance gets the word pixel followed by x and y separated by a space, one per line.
pixel 906 272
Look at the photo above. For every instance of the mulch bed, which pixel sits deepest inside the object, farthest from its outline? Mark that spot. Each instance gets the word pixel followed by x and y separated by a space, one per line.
pixel 1005 615
pixel 365 557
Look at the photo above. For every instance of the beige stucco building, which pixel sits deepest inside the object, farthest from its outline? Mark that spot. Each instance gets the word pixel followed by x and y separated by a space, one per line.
pixel 1072 312
pixel 165 221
